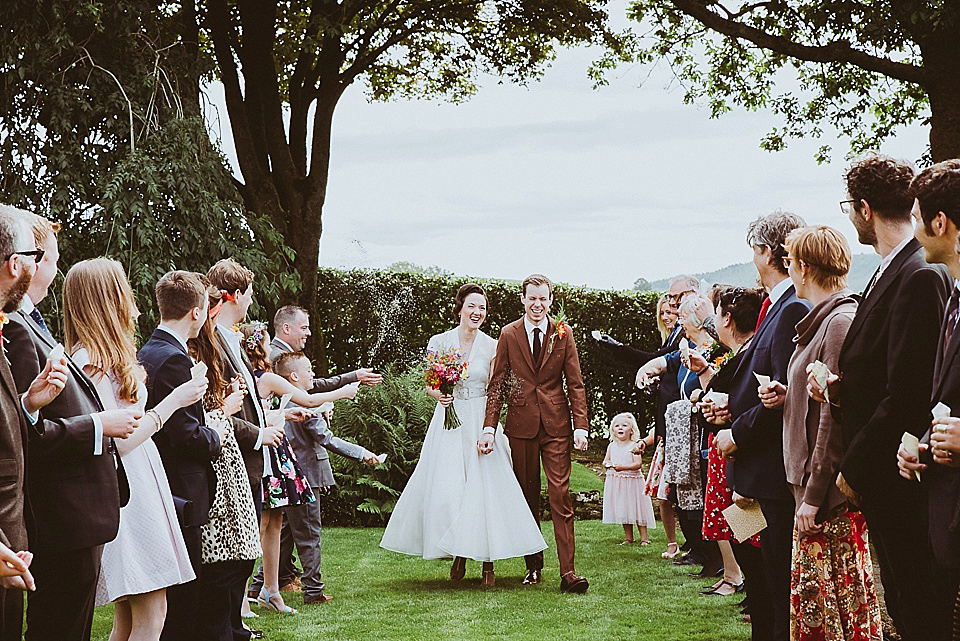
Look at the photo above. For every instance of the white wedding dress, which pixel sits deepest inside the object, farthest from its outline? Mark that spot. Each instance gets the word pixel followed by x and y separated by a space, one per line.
pixel 457 501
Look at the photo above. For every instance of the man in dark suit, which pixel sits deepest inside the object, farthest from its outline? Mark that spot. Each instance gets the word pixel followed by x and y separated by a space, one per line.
pixel 884 388
pixel 186 444
pixel 755 436
pixel 291 329
pixel 75 481
pixel 18 420
pixel 937 228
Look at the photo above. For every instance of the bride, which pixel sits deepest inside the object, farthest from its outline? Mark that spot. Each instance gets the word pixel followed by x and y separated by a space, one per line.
pixel 459 503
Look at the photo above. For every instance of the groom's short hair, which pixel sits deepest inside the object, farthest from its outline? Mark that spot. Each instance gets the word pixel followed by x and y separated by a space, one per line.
pixel 536 280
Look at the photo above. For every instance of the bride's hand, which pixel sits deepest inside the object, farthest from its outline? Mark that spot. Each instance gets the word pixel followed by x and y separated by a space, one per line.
pixel 485 444
pixel 445 399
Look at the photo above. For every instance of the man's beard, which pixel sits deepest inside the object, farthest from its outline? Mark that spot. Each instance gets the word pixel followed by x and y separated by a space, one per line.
pixel 16 293
pixel 866 234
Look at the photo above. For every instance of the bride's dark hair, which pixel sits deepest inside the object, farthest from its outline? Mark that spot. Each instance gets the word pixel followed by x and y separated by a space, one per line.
pixel 462 293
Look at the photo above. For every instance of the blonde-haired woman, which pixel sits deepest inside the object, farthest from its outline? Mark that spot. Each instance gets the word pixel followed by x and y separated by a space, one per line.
pixel 149 553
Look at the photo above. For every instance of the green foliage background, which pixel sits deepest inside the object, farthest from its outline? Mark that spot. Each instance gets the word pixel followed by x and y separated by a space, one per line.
pixel 384 319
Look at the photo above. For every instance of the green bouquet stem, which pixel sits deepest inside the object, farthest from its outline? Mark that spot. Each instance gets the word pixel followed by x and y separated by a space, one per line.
pixel 450 419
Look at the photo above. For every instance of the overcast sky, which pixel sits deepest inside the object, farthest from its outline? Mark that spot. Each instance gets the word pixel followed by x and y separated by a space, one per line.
pixel 591 187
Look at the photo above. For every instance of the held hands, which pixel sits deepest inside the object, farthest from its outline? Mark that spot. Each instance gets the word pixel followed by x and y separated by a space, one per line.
pixel 945 441
pixel 367 376
pixel 909 464
pixel 485 444
pixel 715 414
pixel 579 441
pixel 816 391
pixel 773 394
pixel 14 572
pixel 120 423
pixel 807 519
pixel 46 386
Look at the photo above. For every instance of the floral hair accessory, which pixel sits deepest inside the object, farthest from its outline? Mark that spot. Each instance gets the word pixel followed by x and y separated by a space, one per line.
pixel 256 338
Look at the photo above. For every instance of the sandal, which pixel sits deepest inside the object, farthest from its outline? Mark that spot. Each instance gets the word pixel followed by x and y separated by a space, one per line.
pixel 627 542
pixel 670 554
pixel 264 600
pixel 645 543
pixel 714 591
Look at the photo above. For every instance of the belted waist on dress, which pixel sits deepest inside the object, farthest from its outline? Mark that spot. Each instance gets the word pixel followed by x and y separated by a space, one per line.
pixel 465 393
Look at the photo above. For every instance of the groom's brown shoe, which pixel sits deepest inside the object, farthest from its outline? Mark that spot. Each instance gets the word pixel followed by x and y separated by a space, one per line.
pixel 573 584
pixel 533 577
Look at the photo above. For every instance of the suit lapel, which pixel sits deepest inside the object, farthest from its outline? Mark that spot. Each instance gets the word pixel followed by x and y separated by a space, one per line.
pixel 520 333
pixel 544 354
pixel 944 360
pixel 876 293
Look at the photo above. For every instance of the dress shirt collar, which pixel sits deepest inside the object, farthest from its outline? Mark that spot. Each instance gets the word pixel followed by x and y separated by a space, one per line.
pixel 27 306
pixel 780 289
pixel 527 325
pixel 177 336
pixel 893 254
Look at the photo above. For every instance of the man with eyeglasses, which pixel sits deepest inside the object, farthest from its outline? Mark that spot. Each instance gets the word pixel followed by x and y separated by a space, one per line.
pixel 75 480
pixel 883 389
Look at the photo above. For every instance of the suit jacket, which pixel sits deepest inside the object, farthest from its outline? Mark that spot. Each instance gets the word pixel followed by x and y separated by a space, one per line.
pixel 668 389
pixel 886 368
pixel 319 384
pixel 534 391
pixel 186 445
pixel 943 483
pixel 246 423
pixel 310 440
pixel 74 496
pixel 758 469
pixel 13 437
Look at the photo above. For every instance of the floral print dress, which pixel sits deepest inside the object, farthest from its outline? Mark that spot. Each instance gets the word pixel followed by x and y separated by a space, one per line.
pixel 283 483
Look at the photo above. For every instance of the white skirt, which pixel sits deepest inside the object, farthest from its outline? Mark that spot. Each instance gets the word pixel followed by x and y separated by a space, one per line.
pixel 459 502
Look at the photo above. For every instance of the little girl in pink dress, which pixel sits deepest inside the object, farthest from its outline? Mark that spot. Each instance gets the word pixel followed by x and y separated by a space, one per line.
pixel 624 499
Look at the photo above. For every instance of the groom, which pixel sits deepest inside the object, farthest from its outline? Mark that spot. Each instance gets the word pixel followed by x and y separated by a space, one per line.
pixel 533 361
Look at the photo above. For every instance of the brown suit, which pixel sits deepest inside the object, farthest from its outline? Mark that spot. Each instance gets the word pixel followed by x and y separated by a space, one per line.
pixel 539 423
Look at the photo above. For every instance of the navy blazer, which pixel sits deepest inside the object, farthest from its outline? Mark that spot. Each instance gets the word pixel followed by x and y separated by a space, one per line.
pixel 74 497
pixel 186 445
pixel 886 366
pixel 757 471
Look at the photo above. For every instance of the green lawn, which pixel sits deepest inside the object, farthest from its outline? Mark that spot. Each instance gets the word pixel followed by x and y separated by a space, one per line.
pixel 380 595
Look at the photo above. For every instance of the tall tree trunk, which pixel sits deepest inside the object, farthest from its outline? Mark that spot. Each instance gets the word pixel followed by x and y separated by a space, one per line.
pixel 940 57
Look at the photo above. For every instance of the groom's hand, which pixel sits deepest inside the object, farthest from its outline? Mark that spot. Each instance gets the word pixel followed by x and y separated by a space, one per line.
pixel 485 444
pixel 580 439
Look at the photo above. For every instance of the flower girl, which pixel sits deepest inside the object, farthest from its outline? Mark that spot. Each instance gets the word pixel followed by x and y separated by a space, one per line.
pixel 624 500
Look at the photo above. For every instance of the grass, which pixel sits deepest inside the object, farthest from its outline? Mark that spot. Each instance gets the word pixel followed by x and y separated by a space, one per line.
pixel 634 594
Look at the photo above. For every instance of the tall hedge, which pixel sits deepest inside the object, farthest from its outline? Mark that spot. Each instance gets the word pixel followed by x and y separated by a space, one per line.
pixel 384 319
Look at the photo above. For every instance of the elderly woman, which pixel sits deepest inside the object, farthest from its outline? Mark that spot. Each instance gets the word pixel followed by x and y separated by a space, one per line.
pixel 682 452
pixel 832 591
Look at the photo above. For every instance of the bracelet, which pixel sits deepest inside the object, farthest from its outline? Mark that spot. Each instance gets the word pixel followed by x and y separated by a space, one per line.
pixel 156 417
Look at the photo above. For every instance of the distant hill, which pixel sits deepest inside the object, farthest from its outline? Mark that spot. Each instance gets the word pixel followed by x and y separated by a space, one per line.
pixel 745 274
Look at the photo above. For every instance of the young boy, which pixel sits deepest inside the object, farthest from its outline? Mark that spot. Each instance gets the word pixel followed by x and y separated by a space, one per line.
pixel 310 440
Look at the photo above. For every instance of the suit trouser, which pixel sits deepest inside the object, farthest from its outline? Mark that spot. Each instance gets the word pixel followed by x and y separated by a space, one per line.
pixel 183 599
pixel 913 590
pixel 11 615
pixel 220 598
pixel 555 452
pixel 61 608
pixel 750 560
pixel 776 547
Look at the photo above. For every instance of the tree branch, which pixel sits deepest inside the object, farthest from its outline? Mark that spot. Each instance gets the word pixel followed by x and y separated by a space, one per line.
pixel 837 51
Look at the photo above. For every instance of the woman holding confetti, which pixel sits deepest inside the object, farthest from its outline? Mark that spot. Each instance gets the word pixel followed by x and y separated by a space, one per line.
pixel 459 504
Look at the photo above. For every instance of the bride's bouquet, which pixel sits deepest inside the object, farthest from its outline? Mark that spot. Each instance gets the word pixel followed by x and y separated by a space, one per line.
pixel 442 371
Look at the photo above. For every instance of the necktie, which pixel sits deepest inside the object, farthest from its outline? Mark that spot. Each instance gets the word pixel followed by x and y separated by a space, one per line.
pixel 763 311
pixel 536 344
pixel 872 283
pixel 953 307
pixel 38 319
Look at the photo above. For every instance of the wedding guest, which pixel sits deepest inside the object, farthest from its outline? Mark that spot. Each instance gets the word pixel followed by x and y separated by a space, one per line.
pixel 230 540
pixel 682 463
pixel 832 591
pixel 75 480
pixel 883 388
pixel 310 439
pixel 937 214
pixel 148 554
pixel 755 434
pixel 291 327
pixel 737 311
pixel 624 502
pixel 18 418
pixel 187 445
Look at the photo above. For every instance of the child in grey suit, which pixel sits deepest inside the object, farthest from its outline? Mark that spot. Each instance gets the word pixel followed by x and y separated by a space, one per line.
pixel 310 440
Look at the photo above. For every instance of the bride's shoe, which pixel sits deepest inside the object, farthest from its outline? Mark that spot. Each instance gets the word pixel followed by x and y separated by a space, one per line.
pixel 458 569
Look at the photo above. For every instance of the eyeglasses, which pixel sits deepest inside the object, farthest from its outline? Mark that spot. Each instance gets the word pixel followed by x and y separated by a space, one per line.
pixel 36 253
pixel 846 206
pixel 676 297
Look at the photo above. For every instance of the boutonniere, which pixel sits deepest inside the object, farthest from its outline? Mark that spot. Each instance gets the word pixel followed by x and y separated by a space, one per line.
pixel 3 321
pixel 721 360
pixel 560 329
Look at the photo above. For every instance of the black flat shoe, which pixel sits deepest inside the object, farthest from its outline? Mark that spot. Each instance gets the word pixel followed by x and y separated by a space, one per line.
pixel 714 591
